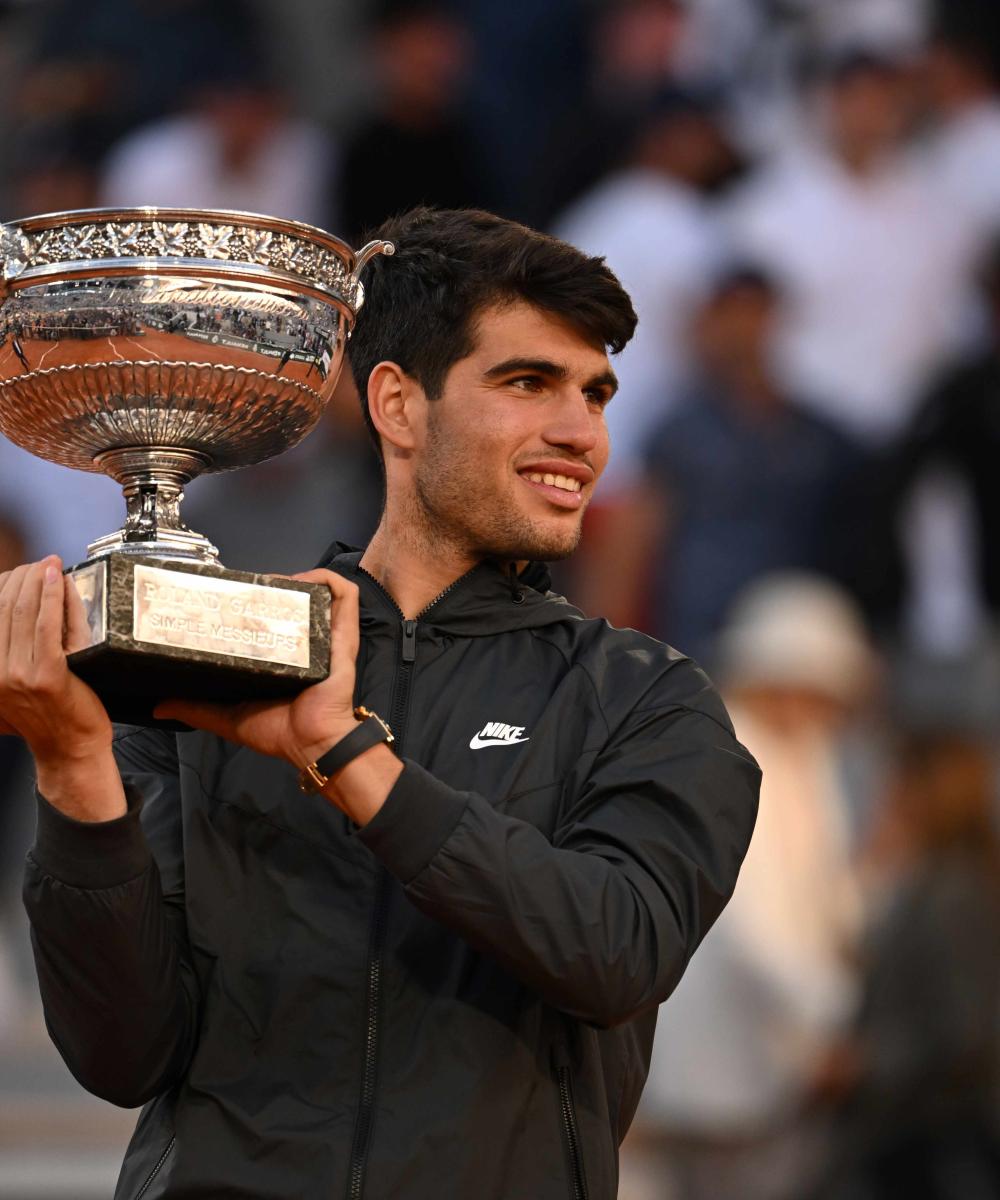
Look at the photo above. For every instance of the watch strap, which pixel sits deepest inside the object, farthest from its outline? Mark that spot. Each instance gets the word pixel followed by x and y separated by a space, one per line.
pixel 370 732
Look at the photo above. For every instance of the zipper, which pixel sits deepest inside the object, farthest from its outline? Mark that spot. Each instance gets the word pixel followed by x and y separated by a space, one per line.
pixel 427 607
pixel 578 1178
pixel 156 1170
pixel 376 942
pixel 369 1074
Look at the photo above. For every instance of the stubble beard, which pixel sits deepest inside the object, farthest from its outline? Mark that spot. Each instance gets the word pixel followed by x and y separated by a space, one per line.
pixel 453 509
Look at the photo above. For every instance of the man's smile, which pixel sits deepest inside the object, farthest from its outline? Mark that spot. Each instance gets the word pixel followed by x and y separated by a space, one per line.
pixel 558 489
pixel 559 481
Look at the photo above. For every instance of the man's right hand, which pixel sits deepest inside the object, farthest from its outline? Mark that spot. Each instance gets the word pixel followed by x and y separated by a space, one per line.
pixel 61 719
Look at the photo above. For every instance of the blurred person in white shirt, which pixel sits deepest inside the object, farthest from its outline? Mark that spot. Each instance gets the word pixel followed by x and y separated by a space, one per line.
pixel 726 1110
pixel 857 237
pixel 237 148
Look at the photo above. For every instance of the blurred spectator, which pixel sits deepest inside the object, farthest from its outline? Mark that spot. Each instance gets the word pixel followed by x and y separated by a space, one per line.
pixel 282 514
pixel 756 51
pixel 739 481
pixel 239 148
pixel 725 1113
pixel 921 1074
pixel 530 59
pixel 951 579
pixel 417 147
pixel 651 223
pixel 855 236
pixel 632 44
pixel 112 64
pixel 962 154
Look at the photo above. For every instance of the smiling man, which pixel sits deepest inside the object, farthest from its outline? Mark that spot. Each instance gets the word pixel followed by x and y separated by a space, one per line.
pixel 436 974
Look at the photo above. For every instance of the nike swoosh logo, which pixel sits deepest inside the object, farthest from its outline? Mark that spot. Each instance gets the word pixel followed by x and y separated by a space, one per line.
pixel 478 743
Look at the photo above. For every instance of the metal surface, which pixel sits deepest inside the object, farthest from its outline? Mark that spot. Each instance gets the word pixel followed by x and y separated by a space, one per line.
pixel 156 344
pixel 91 583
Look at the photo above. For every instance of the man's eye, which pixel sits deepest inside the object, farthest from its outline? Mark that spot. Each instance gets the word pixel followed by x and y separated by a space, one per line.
pixel 527 383
pixel 597 396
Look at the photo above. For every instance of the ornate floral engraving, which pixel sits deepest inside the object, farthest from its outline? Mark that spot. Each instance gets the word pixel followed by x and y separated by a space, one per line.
pixel 215 240
pixel 173 238
pixel 258 245
pixel 160 239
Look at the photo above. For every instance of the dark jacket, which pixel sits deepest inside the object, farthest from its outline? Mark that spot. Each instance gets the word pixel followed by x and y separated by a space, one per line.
pixel 457 1000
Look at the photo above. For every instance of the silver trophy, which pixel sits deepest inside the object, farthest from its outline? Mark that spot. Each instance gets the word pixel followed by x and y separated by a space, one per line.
pixel 154 345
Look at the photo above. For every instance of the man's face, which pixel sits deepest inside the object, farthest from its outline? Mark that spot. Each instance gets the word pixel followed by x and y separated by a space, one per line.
pixel 517 439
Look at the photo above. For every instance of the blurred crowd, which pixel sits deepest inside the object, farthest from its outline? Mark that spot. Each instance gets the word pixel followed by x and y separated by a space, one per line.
pixel 803 199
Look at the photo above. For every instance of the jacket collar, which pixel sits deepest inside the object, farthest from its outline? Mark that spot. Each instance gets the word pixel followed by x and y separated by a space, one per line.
pixel 486 600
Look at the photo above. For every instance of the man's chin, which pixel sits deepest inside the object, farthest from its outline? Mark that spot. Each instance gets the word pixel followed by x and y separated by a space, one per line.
pixel 542 548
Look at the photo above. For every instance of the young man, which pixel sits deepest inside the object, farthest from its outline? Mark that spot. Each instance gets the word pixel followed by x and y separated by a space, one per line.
pixel 438 977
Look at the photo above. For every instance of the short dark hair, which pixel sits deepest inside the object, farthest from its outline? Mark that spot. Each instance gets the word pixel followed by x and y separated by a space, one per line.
pixel 421 305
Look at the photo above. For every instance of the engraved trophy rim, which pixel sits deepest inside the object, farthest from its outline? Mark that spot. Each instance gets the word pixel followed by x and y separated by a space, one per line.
pixel 83 216
pixel 332 270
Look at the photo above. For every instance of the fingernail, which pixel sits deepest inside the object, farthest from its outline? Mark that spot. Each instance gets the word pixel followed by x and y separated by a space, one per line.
pixel 51 573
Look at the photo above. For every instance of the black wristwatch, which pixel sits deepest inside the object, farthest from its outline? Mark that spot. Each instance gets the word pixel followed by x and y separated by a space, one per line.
pixel 370 732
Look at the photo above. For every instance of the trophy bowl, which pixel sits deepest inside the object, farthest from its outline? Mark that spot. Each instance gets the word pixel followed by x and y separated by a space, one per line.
pixel 154 345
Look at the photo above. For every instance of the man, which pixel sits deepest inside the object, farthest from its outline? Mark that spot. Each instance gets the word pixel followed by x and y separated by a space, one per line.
pixel 440 976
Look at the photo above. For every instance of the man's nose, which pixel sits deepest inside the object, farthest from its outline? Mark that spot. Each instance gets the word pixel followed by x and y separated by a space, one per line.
pixel 574 423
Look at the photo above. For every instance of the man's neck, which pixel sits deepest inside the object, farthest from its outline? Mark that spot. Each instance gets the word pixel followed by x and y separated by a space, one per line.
pixel 412 567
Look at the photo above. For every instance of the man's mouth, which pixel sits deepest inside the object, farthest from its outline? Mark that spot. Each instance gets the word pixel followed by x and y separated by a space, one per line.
pixel 563 482
pixel 560 489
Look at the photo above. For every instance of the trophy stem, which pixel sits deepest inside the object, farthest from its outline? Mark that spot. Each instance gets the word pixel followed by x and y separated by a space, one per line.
pixel 153 479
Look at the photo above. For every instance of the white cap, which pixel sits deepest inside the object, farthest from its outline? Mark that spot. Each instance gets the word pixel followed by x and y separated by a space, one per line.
pixel 797 630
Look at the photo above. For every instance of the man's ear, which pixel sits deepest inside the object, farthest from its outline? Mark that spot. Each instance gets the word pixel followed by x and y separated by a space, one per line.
pixel 397 405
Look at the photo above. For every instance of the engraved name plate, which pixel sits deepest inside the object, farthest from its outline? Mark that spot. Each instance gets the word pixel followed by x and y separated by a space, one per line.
pixel 222 616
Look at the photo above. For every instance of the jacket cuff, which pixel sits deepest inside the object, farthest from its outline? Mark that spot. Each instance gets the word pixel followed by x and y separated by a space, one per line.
pixel 90 854
pixel 416 819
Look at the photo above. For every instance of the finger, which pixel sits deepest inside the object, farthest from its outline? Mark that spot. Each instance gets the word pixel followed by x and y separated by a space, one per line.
pixel 48 646
pixel 78 632
pixel 345 631
pixel 24 618
pixel 345 628
pixel 11 587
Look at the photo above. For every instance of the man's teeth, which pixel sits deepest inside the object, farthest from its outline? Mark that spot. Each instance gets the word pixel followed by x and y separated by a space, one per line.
pixel 559 481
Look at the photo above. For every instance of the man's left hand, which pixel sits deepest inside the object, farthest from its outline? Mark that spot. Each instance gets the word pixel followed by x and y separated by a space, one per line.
pixel 298 728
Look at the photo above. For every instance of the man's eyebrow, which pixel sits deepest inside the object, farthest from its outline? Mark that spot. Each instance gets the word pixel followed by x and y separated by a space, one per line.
pixel 540 366
pixel 554 370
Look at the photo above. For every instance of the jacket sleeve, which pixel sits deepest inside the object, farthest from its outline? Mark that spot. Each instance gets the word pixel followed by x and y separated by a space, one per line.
pixel 600 920
pixel 106 905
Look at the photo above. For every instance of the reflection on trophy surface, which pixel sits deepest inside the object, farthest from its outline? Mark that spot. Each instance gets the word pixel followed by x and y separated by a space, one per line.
pixel 155 345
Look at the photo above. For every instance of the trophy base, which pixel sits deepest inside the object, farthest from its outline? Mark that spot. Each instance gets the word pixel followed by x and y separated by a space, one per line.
pixel 162 629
